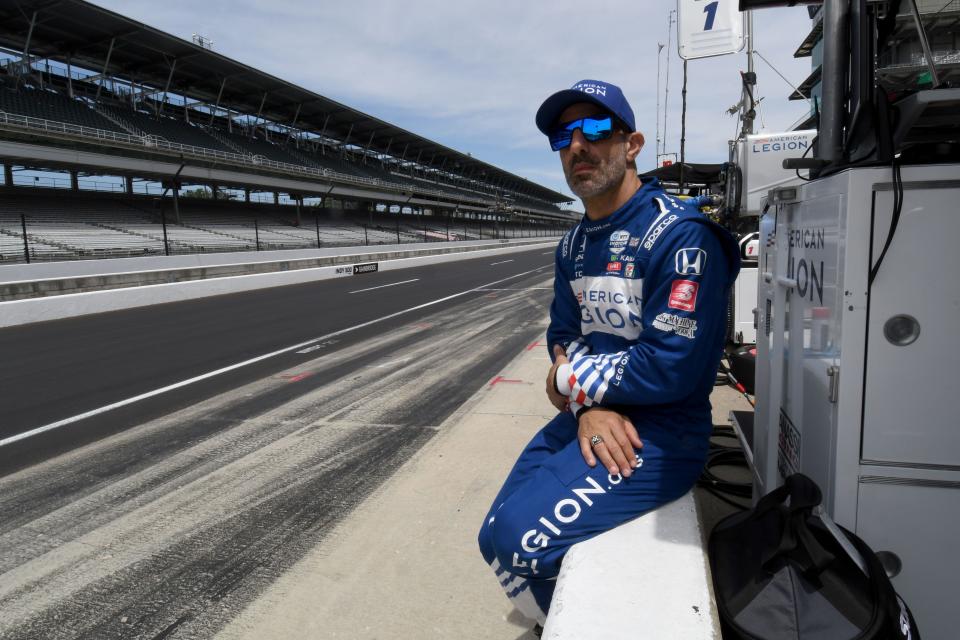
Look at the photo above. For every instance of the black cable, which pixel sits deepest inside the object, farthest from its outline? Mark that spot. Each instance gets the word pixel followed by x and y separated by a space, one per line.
pixel 895 220
pixel 723 455
pixel 809 149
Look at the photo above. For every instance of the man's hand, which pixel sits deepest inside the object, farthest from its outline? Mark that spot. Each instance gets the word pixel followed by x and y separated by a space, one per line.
pixel 557 400
pixel 619 439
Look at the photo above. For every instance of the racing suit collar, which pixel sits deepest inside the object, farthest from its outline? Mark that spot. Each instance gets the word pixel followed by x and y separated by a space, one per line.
pixel 650 187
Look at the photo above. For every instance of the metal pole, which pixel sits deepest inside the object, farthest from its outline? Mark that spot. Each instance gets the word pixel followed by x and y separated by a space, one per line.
pixel 835 61
pixel 103 74
pixel 747 103
pixel 26 50
pixel 448 225
pixel 166 87
pixel 317 219
pixel 925 44
pixel 256 231
pixel 216 106
pixel 399 211
pixel 163 221
pixel 666 86
pixel 70 77
pixel 176 202
pixel 366 240
pixel 683 125
pixel 26 243
pixel 656 151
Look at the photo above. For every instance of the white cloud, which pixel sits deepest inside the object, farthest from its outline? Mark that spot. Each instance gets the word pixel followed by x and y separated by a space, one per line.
pixel 470 74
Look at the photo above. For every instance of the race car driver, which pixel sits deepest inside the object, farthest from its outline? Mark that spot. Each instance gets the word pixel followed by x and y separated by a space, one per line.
pixel 636 333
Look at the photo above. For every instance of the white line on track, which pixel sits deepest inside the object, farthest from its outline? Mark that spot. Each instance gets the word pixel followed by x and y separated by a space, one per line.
pixel 548 253
pixel 501 262
pixel 392 284
pixel 518 289
pixel 206 376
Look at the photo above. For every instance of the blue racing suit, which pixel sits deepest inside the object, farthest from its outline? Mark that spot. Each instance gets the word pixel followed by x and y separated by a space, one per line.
pixel 640 307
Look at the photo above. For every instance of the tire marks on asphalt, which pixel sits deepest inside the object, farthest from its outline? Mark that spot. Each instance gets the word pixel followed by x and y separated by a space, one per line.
pixel 168 529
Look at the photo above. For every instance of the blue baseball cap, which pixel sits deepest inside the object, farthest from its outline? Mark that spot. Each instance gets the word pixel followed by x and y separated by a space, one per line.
pixel 603 94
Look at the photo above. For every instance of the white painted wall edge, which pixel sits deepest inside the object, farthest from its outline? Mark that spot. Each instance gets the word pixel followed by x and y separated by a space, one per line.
pixel 22 312
pixel 75 268
pixel 647 578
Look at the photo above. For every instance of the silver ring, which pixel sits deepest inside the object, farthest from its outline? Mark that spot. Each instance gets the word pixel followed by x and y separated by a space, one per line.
pixel 595 440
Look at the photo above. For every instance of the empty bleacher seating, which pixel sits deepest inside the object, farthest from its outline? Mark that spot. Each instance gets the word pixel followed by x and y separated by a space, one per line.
pixel 48 105
pixel 66 226
pixel 166 128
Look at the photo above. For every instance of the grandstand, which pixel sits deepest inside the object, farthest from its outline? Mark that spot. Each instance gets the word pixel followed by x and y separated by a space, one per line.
pixel 87 91
pixel 94 225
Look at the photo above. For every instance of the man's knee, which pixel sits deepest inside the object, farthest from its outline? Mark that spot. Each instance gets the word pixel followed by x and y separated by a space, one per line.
pixel 520 544
pixel 485 540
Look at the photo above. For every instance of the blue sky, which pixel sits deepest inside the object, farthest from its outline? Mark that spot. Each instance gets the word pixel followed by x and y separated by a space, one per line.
pixel 471 74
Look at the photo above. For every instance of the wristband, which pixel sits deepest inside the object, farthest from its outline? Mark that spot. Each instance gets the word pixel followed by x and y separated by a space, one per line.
pixel 583 410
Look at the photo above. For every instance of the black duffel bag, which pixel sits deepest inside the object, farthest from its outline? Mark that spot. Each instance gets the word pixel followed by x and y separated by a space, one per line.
pixel 780 574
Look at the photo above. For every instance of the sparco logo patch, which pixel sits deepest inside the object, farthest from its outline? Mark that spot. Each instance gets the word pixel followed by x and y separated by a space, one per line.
pixel 659 229
pixel 683 295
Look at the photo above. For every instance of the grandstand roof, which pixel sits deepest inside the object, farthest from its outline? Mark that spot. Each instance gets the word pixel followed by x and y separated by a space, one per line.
pixel 84 32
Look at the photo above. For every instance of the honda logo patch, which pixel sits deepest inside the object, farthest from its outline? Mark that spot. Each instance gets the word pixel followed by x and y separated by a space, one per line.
pixel 691 261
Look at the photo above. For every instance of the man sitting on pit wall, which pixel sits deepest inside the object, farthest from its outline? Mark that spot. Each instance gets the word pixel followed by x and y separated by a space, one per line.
pixel 636 333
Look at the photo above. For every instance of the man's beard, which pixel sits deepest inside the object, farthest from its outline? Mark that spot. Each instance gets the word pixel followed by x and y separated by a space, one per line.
pixel 607 174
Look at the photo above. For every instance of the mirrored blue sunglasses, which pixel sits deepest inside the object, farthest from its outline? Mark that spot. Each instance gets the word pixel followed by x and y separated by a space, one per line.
pixel 593 128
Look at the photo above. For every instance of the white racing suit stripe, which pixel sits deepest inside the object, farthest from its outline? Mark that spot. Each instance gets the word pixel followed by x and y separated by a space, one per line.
pixel 518 591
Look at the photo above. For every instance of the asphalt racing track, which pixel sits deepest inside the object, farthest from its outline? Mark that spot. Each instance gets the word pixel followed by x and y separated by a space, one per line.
pixel 159 467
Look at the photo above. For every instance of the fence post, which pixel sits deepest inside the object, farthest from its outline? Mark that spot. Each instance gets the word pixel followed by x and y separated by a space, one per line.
pixel 256 231
pixel 163 221
pixel 366 240
pixel 26 243
pixel 317 219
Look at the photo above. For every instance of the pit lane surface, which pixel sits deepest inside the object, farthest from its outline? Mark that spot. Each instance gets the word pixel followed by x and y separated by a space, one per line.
pixel 184 506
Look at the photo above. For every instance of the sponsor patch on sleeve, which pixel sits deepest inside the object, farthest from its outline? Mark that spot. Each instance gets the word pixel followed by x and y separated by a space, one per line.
pixel 686 327
pixel 690 261
pixel 683 295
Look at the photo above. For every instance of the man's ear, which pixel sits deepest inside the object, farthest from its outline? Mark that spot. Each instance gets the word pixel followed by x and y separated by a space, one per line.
pixel 635 142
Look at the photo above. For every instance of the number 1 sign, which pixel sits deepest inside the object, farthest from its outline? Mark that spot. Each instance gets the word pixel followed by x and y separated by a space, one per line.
pixel 709 28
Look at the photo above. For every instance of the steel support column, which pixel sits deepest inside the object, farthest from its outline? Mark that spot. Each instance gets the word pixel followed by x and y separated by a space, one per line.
pixel 106 64
pixel 26 49
pixel 296 116
pixel 69 77
pixel 213 112
pixel 176 202
pixel 166 88
pixel 256 122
